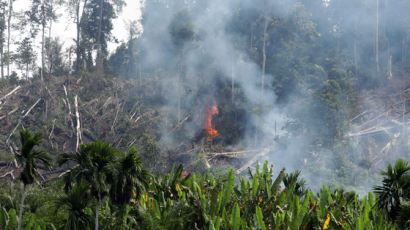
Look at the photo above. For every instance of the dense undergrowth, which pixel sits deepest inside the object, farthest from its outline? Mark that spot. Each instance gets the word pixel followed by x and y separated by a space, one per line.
pixel 113 189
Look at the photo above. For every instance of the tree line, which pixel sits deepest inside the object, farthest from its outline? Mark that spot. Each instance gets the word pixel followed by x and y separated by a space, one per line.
pixel 93 22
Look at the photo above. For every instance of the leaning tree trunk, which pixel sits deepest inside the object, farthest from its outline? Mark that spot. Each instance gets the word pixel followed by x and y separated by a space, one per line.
pixel 20 220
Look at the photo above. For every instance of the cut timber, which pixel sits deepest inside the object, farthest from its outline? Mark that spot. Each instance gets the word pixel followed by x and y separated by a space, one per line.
pixel 253 160
pixel 9 94
pixel 77 115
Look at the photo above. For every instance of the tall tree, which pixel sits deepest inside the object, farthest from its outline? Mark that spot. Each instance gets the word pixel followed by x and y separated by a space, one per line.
pixel 77 8
pixel 25 55
pixel 29 159
pixel 182 32
pixel 97 26
pixel 54 59
pixel 42 14
pixel 265 27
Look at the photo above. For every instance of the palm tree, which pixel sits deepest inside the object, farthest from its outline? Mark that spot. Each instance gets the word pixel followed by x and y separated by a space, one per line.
pixel 93 165
pixel 29 158
pixel 75 202
pixel 395 188
pixel 128 179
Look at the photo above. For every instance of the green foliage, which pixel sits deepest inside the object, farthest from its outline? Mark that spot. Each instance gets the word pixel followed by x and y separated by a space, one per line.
pixel 30 157
pixel 395 188
pixel 75 203
pixel 175 200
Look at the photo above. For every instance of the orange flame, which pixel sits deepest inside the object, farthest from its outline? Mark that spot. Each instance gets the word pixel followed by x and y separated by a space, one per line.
pixel 212 133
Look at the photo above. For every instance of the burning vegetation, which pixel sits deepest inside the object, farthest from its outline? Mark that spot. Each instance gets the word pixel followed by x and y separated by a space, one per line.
pixel 211 132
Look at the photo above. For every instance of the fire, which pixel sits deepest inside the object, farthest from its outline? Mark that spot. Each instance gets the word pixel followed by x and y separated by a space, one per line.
pixel 210 111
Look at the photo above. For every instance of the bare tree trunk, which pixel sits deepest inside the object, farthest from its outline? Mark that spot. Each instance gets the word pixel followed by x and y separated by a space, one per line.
pixel 356 61
pixel 404 50
pixel 264 53
pixel 77 62
pixel 140 73
pixel 8 35
pixel 50 48
pixel 27 71
pixel 2 59
pixel 21 208
pixel 180 76
pixel 99 61
pixel 79 19
pixel 356 66
pixel 42 49
pixel 2 44
pixel 232 82
pixel 377 37
pixel 179 98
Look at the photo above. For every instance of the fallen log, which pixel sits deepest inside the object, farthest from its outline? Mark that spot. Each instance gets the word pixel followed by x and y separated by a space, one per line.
pixel 9 113
pixel 9 94
pixel 253 160
pixel 19 122
pixel 369 131
pixel 237 154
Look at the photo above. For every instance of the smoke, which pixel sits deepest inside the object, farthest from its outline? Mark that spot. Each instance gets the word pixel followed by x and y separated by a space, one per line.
pixel 197 47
